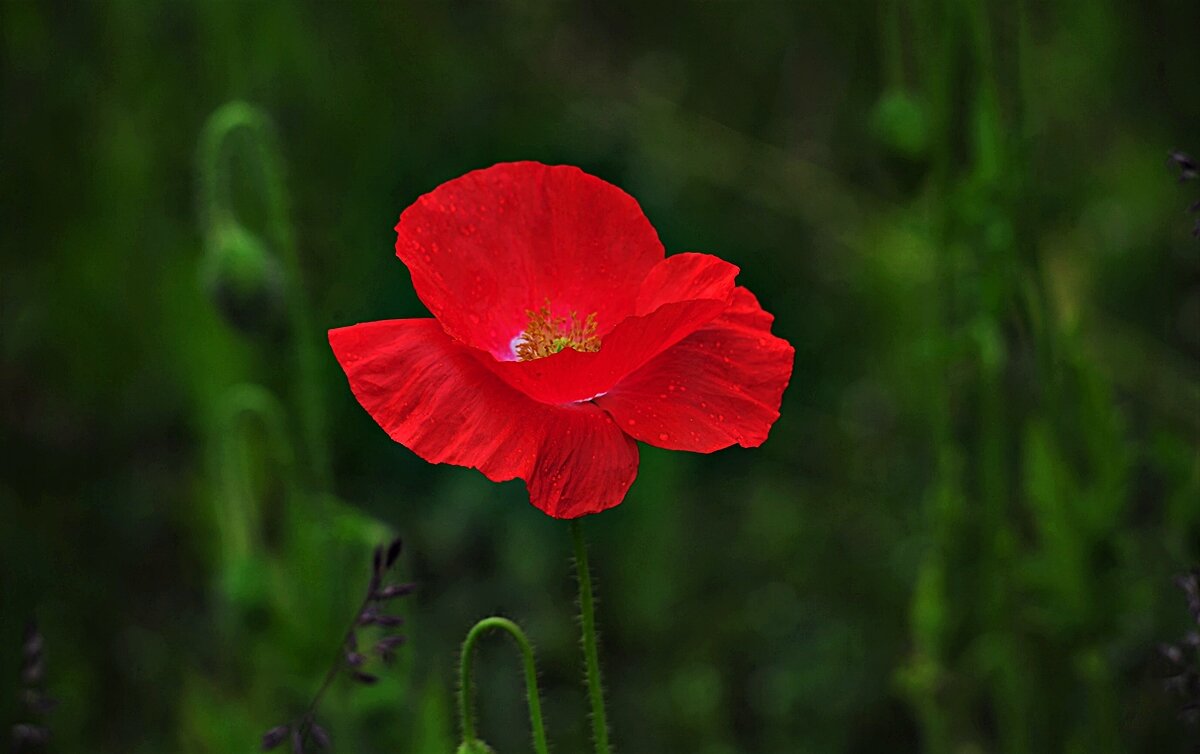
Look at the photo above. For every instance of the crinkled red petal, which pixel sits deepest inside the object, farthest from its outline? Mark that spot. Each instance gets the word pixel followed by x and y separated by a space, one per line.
pixel 486 248
pixel 430 395
pixel 679 295
pixel 719 386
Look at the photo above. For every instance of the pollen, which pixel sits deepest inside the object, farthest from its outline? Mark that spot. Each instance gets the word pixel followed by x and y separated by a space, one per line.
pixel 547 334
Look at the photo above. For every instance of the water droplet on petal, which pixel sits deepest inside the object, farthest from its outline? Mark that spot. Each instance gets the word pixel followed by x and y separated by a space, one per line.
pixel 663 436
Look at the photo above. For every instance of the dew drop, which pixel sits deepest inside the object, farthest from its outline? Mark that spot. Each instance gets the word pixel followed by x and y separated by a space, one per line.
pixel 630 422
pixel 663 436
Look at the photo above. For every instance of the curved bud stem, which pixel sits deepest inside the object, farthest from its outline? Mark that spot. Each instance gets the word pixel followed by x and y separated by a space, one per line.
pixel 466 707
pixel 215 154
pixel 591 656
pixel 238 513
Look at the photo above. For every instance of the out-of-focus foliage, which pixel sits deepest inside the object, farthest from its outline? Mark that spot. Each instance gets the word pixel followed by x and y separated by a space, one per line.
pixel 959 538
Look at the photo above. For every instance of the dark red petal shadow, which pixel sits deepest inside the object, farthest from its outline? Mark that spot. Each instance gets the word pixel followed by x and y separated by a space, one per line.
pixel 485 248
pixel 719 386
pixel 679 295
pixel 430 395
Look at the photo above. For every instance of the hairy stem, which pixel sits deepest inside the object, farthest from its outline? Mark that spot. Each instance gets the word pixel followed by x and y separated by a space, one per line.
pixel 465 708
pixel 588 616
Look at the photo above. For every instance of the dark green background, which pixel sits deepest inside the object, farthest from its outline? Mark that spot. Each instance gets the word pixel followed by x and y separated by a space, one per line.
pixel 960 536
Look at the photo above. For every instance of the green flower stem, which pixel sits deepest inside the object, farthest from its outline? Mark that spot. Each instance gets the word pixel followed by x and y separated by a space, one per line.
pixel 465 709
pixel 588 614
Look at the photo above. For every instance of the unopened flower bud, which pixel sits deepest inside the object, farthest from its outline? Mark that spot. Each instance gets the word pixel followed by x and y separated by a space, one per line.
pixel 901 124
pixel 245 281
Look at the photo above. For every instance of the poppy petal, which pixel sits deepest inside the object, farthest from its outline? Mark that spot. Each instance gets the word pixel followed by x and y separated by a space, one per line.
pixel 430 395
pixel 686 277
pixel 719 386
pixel 681 293
pixel 488 247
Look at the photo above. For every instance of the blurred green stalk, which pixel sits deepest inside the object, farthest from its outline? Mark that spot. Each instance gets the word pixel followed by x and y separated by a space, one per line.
pixel 219 220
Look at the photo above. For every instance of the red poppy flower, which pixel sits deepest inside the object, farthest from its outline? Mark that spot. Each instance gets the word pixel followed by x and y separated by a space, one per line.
pixel 561 335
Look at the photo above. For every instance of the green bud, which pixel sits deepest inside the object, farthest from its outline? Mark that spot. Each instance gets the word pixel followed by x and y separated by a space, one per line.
pixel 244 281
pixel 901 124
pixel 475 747
pixel 245 584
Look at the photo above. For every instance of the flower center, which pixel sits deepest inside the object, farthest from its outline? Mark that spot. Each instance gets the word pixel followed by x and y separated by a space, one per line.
pixel 546 334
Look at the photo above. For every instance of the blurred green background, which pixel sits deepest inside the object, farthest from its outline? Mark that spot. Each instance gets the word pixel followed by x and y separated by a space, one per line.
pixel 960 536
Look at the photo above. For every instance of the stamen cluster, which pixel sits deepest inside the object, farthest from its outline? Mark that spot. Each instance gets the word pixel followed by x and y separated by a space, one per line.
pixel 547 334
